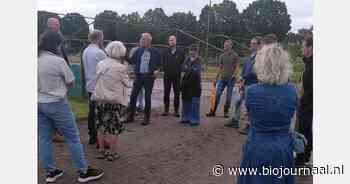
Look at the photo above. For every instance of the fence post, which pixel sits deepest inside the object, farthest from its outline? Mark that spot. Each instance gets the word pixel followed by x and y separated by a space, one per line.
pixel 82 72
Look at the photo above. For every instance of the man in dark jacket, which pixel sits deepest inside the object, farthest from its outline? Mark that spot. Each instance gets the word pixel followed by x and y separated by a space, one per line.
pixel 248 77
pixel 147 61
pixel 305 111
pixel 172 60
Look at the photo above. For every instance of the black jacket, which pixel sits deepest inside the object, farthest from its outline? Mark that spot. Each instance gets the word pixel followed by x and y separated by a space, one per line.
pixel 191 81
pixel 306 101
pixel 154 63
pixel 172 63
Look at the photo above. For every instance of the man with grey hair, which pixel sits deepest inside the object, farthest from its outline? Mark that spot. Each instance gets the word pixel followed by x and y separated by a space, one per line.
pixel 92 55
pixel 147 61
pixel 141 96
pixel 172 60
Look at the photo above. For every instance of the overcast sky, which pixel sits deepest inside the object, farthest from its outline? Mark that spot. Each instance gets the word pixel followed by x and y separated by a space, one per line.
pixel 300 11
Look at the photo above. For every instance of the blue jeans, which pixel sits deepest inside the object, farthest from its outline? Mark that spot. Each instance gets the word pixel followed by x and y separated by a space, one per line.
pixel 221 84
pixel 60 116
pixel 236 114
pixel 191 110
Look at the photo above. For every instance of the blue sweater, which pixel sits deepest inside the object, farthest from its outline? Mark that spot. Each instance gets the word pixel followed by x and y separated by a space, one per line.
pixel 248 73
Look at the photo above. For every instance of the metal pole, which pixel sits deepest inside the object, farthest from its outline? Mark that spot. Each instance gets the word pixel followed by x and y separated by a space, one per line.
pixel 208 29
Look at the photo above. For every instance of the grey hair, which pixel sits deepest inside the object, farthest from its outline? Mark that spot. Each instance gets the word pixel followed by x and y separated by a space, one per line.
pixel 272 65
pixel 116 50
pixel 148 35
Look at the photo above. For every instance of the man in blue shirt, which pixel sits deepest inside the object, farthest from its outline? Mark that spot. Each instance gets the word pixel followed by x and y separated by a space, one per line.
pixel 147 61
pixel 247 78
pixel 92 55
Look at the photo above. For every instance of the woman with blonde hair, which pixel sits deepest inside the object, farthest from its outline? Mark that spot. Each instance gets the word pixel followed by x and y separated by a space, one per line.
pixel 271 104
pixel 109 95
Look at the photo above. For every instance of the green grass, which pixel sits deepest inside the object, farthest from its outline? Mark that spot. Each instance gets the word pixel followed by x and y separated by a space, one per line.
pixel 75 59
pixel 298 68
pixel 80 107
pixel 210 72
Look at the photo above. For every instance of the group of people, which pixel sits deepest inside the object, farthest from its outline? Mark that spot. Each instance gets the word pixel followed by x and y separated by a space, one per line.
pixel 268 99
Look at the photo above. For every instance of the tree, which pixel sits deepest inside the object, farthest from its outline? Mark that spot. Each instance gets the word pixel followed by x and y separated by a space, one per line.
pixel 186 22
pixel 157 24
pixel 227 18
pixel 207 12
pixel 225 22
pixel 134 18
pixel 156 18
pixel 267 16
pixel 74 23
pixel 107 21
pixel 42 20
pixel 131 27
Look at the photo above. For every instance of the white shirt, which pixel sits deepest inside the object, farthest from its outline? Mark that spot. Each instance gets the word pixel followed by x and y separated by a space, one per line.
pixel 53 76
pixel 92 55
pixel 145 58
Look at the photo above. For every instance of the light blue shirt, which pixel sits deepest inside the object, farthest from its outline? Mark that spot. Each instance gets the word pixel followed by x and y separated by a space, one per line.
pixel 92 55
pixel 145 58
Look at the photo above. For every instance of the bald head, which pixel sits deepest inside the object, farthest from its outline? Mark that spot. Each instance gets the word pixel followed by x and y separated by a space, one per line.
pixel 172 41
pixel 146 40
pixel 53 24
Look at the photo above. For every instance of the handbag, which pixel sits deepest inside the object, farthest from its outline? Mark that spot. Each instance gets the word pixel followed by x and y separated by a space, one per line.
pixel 299 142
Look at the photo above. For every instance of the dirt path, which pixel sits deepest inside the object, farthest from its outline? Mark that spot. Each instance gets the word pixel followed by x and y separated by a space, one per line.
pixel 165 152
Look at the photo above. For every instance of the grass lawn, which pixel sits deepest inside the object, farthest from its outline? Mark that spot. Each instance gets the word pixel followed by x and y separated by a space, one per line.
pixel 75 59
pixel 80 107
pixel 298 68
pixel 210 72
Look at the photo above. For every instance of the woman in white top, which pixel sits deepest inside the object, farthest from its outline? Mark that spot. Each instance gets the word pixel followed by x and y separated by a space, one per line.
pixel 110 97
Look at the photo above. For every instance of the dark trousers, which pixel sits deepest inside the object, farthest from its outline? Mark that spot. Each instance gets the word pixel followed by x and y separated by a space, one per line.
pixel 172 81
pixel 145 81
pixel 305 128
pixel 91 118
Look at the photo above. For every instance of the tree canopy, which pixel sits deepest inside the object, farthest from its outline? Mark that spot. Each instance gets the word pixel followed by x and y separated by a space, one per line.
pixel 261 17
pixel 267 16
pixel 74 23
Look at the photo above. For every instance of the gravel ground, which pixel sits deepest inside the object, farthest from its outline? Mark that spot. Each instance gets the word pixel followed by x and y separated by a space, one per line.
pixel 165 152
